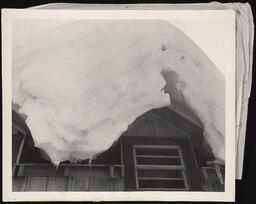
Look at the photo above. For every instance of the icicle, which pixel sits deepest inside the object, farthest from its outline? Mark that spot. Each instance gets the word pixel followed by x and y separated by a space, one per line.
pixel 56 164
pixel 90 161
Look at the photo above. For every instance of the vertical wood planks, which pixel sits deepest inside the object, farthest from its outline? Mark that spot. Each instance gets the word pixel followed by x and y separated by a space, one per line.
pixel 71 184
pixel 145 128
pixel 36 183
pixel 118 184
pixel 72 179
pixel 111 171
pixel 81 184
pixel 17 184
pixel 67 184
pixel 99 184
pixel 57 184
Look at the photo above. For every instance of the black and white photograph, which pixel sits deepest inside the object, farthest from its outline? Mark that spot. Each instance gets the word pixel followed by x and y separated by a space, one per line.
pixel 122 104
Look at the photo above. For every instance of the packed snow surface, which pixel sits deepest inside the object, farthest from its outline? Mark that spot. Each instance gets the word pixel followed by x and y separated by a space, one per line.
pixel 81 84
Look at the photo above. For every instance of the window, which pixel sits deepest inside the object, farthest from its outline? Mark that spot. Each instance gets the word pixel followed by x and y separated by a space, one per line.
pixel 159 167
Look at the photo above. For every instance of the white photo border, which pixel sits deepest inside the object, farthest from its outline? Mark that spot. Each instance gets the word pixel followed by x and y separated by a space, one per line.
pixel 8 15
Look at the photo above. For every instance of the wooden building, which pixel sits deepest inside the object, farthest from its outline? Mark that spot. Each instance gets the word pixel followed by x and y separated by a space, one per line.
pixel 161 150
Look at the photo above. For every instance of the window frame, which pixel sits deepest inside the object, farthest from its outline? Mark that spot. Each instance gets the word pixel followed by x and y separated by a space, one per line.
pixel 180 167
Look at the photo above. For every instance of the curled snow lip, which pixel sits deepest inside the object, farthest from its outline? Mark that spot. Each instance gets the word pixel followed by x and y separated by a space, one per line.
pixel 99 76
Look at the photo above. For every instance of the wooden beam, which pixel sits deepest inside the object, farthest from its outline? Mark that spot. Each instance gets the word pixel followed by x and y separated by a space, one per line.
pixel 111 171
pixel 21 171
pixel 19 128
pixel 159 167
pixel 70 165
pixel 14 169
pixel 66 171
pixel 160 178
pixel 122 157
pixel 219 174
pixel 158 156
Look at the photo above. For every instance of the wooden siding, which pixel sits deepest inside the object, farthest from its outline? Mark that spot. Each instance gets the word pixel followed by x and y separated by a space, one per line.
pixel 165 123
pixel 45 178
pixel 33 183
pixel 150 125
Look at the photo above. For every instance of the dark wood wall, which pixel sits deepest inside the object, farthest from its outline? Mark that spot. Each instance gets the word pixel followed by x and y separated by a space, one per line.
pixel 165 123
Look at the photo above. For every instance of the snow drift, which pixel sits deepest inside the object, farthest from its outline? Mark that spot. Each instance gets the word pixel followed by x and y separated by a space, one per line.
pixel 81 84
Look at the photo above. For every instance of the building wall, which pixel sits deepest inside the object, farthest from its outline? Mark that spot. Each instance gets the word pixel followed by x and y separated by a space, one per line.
pixel 45 178
pixel 165 123
pixel 156 124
